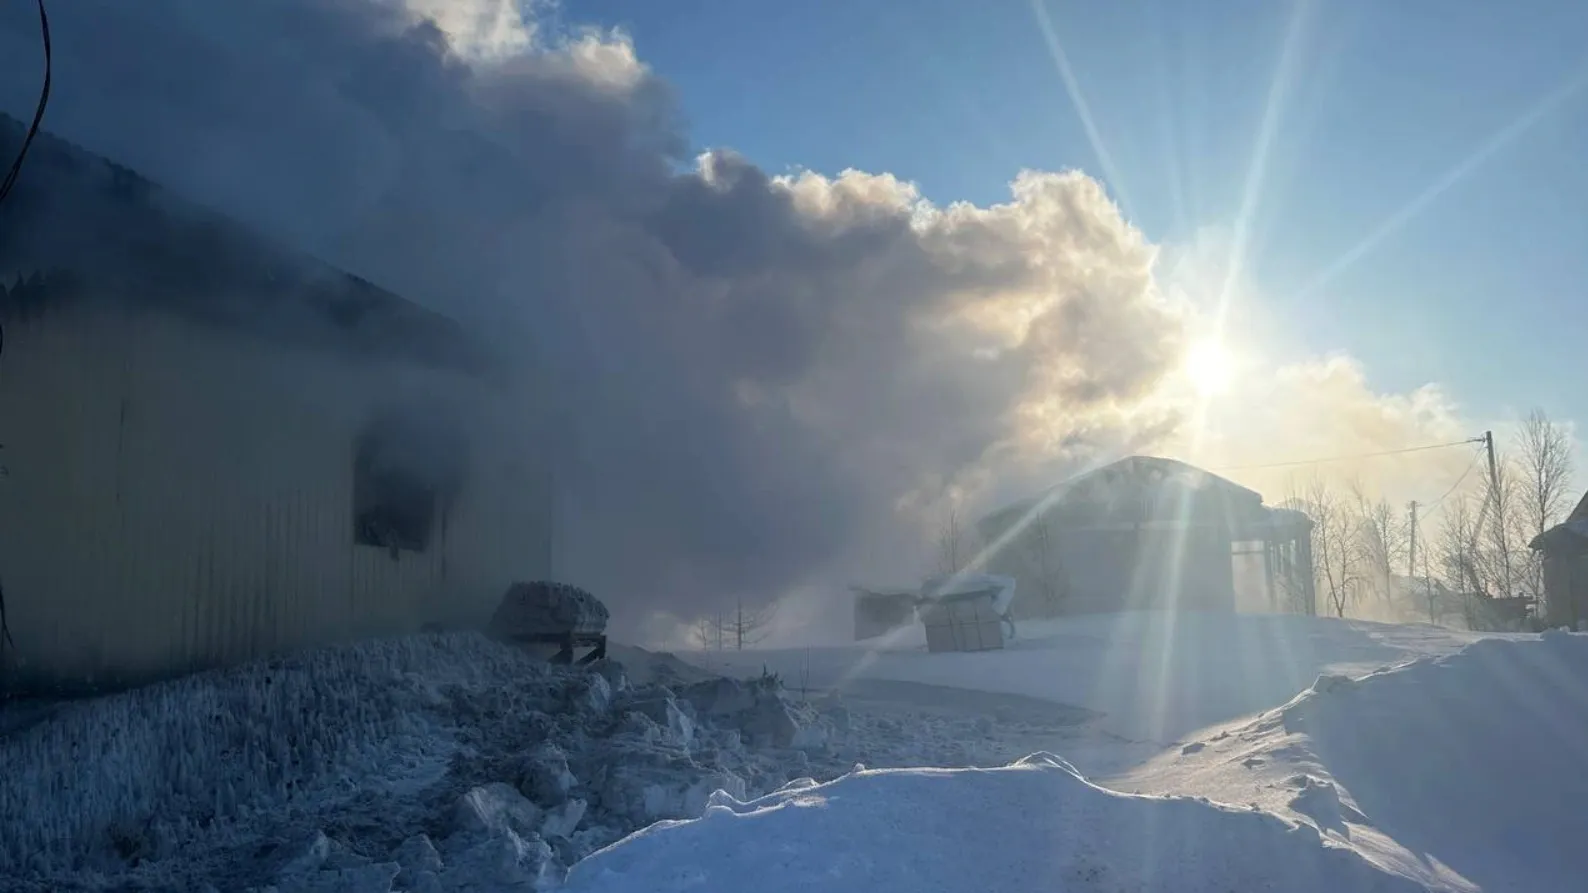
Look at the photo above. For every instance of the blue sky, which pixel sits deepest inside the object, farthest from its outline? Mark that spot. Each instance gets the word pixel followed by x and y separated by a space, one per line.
pixel 1482 290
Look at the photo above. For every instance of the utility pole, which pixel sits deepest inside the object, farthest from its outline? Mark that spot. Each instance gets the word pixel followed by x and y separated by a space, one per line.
pixel 1411 555
pixel 1499 511
pixel 1411 560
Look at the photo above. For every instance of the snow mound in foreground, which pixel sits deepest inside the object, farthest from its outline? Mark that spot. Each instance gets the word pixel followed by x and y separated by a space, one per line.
pixel 1473 763
pixel 1035 825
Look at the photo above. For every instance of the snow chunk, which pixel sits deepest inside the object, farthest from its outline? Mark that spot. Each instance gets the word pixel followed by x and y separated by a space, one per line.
pixel 545 775
pixel 417 858
pixel 375 878
pixel 504 863
pixel 719 697
pixel 563 820
pixel 676 726
pixel 493 809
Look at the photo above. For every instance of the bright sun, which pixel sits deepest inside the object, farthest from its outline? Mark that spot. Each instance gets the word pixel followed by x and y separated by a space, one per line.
pixel 1209 368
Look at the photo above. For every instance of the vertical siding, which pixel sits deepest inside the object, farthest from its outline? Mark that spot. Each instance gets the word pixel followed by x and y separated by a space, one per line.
pixel 180 498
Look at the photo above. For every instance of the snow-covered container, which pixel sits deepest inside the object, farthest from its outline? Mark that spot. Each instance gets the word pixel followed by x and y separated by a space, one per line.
pixel 962 622
pixel 546 609
pixel 966 612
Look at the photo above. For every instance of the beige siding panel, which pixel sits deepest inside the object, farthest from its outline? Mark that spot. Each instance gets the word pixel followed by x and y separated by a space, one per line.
pixel 178 497
pixel 59 402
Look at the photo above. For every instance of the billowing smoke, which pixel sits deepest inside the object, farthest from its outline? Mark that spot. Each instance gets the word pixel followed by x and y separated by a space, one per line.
pixel 763 382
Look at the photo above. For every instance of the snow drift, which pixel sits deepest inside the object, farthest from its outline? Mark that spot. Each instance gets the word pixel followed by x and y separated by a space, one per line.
pixel 1466 770
pixel 1035 825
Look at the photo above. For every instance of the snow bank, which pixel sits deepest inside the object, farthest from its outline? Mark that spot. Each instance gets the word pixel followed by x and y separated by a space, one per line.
pixel 1470 770
pixel 1035 825
pixel 1154 676
pixel 343 768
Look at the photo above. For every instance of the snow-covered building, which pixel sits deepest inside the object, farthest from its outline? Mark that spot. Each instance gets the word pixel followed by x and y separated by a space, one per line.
pixel 216 449
pixel 1148 533
pixel 1565 555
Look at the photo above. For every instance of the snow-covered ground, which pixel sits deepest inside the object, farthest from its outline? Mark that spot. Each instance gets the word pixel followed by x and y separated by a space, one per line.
pixel 1219 753
pixel 1469 769
pixel 1452 760
pixel 1152 676
pixel 1033 826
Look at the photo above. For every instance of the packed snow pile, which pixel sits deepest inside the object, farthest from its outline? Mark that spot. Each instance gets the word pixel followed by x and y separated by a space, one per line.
pixel 404 764
pixel 1035 825
pixel 1465 771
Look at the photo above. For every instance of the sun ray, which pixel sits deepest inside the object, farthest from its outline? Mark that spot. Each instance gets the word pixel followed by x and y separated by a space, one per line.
pixel 1072 87
pixel 1502 138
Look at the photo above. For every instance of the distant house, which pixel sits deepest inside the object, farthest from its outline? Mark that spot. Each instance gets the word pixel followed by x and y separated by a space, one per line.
pixel 1564 548
pixel 1149 533
pixel 215 449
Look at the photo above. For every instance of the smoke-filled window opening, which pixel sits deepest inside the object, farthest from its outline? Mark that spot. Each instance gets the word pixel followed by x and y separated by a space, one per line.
pixel 408 470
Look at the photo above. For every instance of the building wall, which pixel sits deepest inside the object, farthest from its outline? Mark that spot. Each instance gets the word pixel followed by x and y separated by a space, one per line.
pixel 1565 587
pixel 179 497
pixel 1119 567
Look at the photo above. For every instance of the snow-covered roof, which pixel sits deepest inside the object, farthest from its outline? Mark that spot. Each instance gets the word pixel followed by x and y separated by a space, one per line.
pixel 78 226
pixel 1574 533
pixel 1134 478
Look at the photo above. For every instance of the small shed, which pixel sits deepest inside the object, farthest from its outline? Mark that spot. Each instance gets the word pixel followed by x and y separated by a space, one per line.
pixel 1564 549
pixel 879 612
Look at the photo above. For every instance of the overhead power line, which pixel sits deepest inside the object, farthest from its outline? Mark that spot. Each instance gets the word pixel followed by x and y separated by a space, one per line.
pixel 1428 509
pixel 38 113
pixel 1415 449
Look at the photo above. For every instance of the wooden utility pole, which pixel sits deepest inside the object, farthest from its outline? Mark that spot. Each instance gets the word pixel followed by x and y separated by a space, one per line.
pixel 1411 562
pixel 1499 512
pixel 1411 554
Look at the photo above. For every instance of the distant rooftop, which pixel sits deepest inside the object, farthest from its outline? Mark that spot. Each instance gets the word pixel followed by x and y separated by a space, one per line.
pixel 1142 480
pixel 99 232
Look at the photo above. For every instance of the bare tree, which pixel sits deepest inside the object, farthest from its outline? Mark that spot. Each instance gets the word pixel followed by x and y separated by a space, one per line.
pixel 1501 541
pixel 748 626
pixel 708 632
pixel 1544 454
pixel 950 543
pixel 1336 544
pixel 734 629
pixel 1456 548
pixel 1383 538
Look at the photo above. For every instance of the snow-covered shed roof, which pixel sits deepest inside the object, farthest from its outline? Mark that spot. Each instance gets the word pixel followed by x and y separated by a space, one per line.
pixel 1143 484
pixel 1572 535
pixel 78 227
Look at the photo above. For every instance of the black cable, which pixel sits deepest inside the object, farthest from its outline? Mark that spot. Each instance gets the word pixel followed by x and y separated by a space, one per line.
pixel 1428 509
pixel 5 628
pixel 1415 449
pixel 38 113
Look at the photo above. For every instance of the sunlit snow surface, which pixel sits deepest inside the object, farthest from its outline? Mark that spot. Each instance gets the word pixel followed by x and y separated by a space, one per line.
pixel 1248 753
pixel 1034 826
